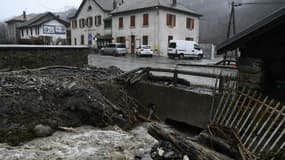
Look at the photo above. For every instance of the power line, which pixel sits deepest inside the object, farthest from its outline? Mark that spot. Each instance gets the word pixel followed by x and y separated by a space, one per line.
pixel 258 3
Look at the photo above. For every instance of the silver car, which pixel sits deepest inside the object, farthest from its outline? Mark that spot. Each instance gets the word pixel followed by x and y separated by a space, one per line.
pixel 115 49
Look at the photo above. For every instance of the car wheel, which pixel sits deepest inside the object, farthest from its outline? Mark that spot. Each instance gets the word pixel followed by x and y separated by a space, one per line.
pixel 181 56
pixel 200 56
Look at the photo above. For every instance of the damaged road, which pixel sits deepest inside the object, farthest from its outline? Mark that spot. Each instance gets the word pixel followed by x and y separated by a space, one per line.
pixel 79 110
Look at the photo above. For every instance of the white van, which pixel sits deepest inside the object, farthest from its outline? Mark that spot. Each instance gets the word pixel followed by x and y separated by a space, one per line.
pixel 183 48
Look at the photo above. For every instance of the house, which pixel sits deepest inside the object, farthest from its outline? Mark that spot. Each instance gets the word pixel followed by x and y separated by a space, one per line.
pixel 45 28
pixel 92 23
pixel 13 33
pixel 154 23
pixel 133 22
pixel 262 58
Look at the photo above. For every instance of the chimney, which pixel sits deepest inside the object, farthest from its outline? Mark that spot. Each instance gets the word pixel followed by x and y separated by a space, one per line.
pixel 114 4
pixel 24 15
pixel 174 2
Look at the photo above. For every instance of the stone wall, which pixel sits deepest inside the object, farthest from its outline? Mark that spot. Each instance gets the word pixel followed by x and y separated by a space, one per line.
pixel 29 56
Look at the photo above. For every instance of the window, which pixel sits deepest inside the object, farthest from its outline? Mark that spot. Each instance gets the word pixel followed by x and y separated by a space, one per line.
pixel 89 8
pixel 189 39
pixel 27 31
pixel 197 47
pixel 22 30
pixel 190 23
pixel 145 40
pixel 75 41
pixel 37 30
pixel 121 40
pixel 121 22
pixel 82 40
pixel 82 23
pixel 74 23
pixel 89 22
pixel 170 20
pixel 145 20
pixel 172 45
pixel 132 21
pixel 98 20
pixel 31 31
pixel 170 38
pixel 107 24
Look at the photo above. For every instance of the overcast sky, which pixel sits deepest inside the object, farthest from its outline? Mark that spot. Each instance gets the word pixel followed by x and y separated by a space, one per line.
pixel 11 8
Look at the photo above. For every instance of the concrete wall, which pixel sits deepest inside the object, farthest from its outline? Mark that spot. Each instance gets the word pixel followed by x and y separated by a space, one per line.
pixel 24 56
pixel 177 104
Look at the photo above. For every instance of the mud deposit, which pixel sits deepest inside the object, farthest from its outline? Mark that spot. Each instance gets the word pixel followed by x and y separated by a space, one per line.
pixel 58 97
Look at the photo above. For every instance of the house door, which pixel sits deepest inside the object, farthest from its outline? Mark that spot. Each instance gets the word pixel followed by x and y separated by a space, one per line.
pixel 133 44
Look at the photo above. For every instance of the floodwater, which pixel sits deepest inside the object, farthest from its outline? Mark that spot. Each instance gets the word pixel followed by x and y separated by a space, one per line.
pixel 84 143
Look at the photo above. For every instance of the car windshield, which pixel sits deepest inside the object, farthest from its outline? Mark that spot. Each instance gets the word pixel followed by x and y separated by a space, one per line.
pixel 110 46
pixel 146 47
pixel 197 47
pixel 121 46
pixel 172 45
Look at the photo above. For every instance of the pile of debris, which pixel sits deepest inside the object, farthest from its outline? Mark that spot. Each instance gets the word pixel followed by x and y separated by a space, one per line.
pixel 36 103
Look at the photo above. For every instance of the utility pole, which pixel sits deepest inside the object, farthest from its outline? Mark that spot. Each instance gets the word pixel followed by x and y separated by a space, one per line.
pixel 232 20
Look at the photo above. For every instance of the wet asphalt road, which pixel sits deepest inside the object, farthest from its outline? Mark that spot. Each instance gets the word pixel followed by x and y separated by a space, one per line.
pixel 131 62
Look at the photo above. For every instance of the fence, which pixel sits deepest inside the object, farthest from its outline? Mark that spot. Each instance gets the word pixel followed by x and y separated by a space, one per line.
pixel 257 121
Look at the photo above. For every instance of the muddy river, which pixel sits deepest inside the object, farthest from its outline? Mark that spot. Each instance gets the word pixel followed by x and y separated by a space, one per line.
pixel 84 143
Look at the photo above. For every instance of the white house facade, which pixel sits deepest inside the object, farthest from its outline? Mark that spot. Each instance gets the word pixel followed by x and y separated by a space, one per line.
pixel 92 24
pixel 47 27
pixel 154 23
pixel 134 22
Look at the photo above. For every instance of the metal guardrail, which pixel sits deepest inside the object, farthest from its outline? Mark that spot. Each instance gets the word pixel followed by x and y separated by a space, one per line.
pixel 258 121
pixel 147 70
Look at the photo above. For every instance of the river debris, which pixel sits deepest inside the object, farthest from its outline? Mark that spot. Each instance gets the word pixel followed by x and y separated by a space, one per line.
pixel 50 98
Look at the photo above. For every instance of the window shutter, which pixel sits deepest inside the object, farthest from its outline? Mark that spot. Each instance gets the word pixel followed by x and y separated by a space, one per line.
pixel 193 24
pixel 118 39
pixel 124 40
pixel 174 20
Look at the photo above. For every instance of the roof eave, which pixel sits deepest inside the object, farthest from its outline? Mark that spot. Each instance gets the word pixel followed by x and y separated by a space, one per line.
pixel 161 7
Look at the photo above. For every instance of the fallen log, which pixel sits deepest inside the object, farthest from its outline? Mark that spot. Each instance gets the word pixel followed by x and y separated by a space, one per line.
pixel 186 147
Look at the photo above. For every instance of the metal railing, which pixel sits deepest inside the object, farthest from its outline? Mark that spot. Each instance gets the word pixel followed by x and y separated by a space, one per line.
pixel 176 74
pixel 258 121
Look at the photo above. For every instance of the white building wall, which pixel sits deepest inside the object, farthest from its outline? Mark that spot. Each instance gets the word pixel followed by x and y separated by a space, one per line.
pixel 94 30
pixel 138 31
pixel 27 34
pixel 179 32
pixel 54 36
pixel 157 30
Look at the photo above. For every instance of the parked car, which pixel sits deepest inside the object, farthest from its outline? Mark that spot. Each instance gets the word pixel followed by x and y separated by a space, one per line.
pixel 183 48
pixel 144 50
pixel 115 49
